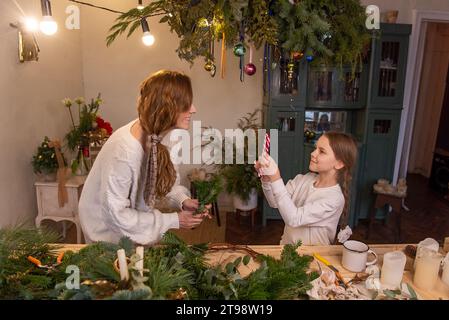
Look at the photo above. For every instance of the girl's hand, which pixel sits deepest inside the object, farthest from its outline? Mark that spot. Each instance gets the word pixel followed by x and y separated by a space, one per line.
pixel 266 165
pixel 190 205
pixel 187 220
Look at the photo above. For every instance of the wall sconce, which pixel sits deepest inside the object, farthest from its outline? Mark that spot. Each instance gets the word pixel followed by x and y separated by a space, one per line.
pixel 28 47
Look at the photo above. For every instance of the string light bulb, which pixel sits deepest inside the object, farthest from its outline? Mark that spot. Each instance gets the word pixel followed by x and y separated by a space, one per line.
pixel 48 25
pixel 140 5
pixel 31 24
pixel 147 37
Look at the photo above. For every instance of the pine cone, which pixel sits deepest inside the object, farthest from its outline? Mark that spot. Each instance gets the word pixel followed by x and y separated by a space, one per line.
pixel 410 250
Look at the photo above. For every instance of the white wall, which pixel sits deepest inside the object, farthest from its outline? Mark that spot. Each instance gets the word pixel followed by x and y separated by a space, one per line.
pixel 30 106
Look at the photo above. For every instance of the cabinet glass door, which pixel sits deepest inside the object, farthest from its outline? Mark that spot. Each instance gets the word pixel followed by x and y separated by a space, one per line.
pixel 388 69
pixel 283 79
pixel 389 72
pixel 322 91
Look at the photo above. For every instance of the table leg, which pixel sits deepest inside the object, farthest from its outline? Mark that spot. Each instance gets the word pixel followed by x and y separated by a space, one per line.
pixel 397 236
pixel 253 215
pixel 217 213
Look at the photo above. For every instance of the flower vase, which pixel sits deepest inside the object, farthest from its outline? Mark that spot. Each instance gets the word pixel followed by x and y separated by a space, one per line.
pixel 80 165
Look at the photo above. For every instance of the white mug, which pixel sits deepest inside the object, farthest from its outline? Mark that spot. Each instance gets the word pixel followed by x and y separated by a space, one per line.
pixel 355 256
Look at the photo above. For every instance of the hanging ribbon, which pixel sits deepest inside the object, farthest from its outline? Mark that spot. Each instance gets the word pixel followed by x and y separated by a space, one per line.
pixel 265 67
pixel 223 56
pixel 242 57
pixel 242 74
pixel 61 174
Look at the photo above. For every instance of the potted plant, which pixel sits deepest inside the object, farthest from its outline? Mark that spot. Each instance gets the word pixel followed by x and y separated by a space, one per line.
pixel 91 130
pixel 241 180
pixel 45 162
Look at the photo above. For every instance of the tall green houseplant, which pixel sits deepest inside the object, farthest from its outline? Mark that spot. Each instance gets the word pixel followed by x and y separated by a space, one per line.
pixel 241 179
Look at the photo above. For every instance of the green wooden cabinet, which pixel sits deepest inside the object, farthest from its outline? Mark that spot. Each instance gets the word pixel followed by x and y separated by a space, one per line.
pixel 322 87
pixel 282 89
pixel 290 126
pixel 352 89
pixel 373 101
pixel 389 66
pixel 337 88
pixel 379 154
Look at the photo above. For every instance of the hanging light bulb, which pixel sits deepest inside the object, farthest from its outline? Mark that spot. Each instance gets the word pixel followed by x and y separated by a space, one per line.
pixel 48 25
pixel 31 24
pixel 147 38
pixel 140 5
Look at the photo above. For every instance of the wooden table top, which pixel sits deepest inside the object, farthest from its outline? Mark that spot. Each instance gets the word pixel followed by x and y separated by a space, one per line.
pixel 332 253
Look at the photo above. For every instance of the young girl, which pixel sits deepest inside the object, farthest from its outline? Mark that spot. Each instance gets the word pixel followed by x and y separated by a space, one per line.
pixel 134 171
pixel 311 204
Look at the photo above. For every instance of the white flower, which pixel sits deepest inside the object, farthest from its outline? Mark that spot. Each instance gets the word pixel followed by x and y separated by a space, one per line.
pixel 79 100
pixel 344 234
pixel 67 102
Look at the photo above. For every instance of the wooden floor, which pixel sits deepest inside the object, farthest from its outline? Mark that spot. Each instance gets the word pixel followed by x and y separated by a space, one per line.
pixel 428 217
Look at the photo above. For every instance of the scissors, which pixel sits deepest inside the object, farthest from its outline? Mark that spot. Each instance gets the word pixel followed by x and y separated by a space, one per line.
pixel 48 267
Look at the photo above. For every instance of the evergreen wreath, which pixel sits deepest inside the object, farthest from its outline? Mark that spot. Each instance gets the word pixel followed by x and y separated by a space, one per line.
pixel 172 270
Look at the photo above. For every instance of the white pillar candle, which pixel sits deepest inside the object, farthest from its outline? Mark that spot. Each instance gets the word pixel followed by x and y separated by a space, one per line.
pixel 393 269
pixel 445 275
pixel 123 264
pixel 427 269
pixel 139 263
pixel 428 243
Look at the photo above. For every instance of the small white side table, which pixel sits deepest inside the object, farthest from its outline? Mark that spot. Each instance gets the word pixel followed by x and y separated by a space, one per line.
pixel 48 206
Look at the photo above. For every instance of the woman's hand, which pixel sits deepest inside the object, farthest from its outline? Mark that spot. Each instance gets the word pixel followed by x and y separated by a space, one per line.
pixel 193 205
pixel 187 219
pixel 190 205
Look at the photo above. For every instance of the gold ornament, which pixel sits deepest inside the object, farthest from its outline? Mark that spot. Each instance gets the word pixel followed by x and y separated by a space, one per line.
pixel 209 66
pixel 290 70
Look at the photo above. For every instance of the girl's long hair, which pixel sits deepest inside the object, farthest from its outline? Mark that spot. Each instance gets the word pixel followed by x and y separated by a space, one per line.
pixel 163 96
pixel 344 147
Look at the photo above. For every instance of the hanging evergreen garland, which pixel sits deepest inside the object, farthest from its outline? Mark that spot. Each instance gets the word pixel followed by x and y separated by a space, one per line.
pixel 332 31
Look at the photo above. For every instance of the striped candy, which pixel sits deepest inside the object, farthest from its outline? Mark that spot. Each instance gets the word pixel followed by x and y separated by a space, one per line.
pixel 267 143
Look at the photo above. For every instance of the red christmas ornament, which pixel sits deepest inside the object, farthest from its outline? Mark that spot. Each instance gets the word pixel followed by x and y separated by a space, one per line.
pixel 297 55
pixel 250 69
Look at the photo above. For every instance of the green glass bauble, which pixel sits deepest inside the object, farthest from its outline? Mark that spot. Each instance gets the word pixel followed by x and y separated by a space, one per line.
pixel 239 49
